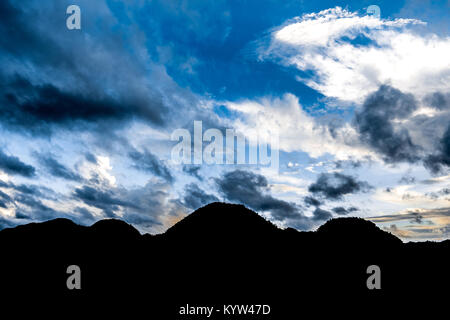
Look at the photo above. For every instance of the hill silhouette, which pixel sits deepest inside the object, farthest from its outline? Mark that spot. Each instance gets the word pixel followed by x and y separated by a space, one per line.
pixel 221 253
pixel 223 222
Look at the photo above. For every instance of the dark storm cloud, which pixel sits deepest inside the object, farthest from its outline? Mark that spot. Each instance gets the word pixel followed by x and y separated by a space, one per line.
pixel 376 124
pixel 387 123
pixel 33 190
pixel 52 78
pixel 57 169
pixel 251 190
pixel 438 100
pixel 440 160
pixel 3 204
pixel 5 200
pixel 343 211
pixel 148 162
pixel 335 186
pixel 192 171
pixel 311 201
pixel 13 165
pixel 21 216
pixel 30 190
pixel 195 197
pixel 20 38
pixel 102 199
pixel 321 215
pixel 41 108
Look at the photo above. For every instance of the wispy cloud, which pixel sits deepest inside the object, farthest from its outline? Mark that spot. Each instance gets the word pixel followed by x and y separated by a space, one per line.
pixel 417 224
pixel 352 55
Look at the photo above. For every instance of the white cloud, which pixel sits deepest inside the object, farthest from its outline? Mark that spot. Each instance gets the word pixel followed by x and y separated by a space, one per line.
pixel 320 29
pixel 297 130
pixel 408 61
pixel 101 171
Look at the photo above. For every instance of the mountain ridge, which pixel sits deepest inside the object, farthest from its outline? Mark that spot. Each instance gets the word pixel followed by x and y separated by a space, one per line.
pixel 219 253
pixel 206 216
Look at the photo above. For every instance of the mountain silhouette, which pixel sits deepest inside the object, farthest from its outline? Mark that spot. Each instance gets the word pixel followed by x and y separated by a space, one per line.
pixel 223 222
pixel 221 253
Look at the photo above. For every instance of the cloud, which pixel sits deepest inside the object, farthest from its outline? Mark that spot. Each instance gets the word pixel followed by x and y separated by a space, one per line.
pixel 36 209
pixel 311 201
pixel 57 169
pixel 30 189
pixel 84 215
pixel 436 195
pixel 27 203
pixel 284 118
pixel 102 199
pixel 252 189
pixel 437 161
pixel 407 179
pixel 375 123
pixel 195 197
pixel 46 74
pixel 5 199
pixel 325 27
pixel 41 108
pixel 193 171
pixel 343 211
pixel 321 215
pixel 150 207
pixel 390 126
pixel 351 55
pixel 438 100
pixel 417 224
pixel 13 165
pixel 5 223
pixel 148 162
pixel 98 171
pixel 140 220
pixel 400 128
pixel 335 186
pixel 358 60
pixel 90 157
pixel 418 218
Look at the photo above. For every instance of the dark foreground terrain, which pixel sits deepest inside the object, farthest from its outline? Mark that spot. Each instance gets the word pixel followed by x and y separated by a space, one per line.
pixel 220 255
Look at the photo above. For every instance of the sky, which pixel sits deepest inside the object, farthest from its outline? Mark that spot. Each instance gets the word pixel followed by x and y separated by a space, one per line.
pixel 359 106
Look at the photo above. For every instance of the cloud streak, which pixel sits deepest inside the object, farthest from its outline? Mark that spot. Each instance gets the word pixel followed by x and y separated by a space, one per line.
pixel 13 165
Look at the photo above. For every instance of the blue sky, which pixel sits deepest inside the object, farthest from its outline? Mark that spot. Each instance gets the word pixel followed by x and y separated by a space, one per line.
pixel 361 107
